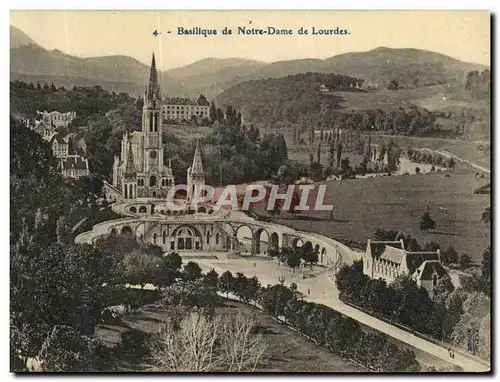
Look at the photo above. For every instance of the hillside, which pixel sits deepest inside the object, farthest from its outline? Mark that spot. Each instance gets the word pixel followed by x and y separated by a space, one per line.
pixel 410 67
pixel 39 64
pixel 19 38
pixel 211 76
pixel 210 65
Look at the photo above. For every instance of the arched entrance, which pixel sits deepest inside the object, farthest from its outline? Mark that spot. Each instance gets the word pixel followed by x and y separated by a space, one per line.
pixel 297 242
pixel 126 231
pixel 261 242
pixel 133 209
pixel 202 210
pixel 186 238
pixel 322 256
pixel 143 209
pixel 274 241
pixel 245 238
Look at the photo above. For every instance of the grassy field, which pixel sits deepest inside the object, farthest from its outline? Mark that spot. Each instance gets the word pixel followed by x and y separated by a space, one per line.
pixel 437 97
pixel 396 203
pixel 286 351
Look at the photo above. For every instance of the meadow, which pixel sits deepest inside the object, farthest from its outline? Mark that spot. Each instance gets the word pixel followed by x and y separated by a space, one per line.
pixel 396 203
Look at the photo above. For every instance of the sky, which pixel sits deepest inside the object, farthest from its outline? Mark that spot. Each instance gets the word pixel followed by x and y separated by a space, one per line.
pixel 461 34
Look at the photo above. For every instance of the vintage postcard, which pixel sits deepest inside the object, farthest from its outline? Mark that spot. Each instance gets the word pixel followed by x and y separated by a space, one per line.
pixel 250 191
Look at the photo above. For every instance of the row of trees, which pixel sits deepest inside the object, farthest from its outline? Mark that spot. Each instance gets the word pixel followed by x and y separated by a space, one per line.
pixel 457 315
pixel 295 256
pixel 428 157
pixel 336 332
pixel 401 301
pixel 26 99
pixel 322 324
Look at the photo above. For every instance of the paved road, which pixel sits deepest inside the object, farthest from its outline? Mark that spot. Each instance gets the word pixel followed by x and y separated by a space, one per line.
pixel 321 289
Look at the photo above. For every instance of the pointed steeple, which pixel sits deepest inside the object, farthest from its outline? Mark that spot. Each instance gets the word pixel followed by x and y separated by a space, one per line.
pixel 153 89
pixel 130 171
pixel 197 167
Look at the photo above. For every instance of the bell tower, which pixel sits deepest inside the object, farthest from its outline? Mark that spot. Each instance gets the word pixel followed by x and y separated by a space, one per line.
pixel 151 127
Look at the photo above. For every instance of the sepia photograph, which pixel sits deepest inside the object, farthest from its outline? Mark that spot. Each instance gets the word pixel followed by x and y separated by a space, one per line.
pixel 250 191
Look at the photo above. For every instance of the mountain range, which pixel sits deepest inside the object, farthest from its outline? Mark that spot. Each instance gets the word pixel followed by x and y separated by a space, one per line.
pixel 211 76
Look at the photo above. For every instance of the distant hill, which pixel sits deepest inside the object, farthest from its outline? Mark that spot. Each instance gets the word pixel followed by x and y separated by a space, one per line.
pixel 19 38
pixel 410 67
pixel 212 76
pixel 38 63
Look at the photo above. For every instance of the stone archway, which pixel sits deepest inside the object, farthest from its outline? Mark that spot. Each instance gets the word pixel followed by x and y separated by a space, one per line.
pixel 244 235
pixel 133 209
pixel 202 210
pixel 260 244
pixel 297 242
pixel 274 241
pixel 186 237
pixel 143 209
pixel 126 230
pixel 113 232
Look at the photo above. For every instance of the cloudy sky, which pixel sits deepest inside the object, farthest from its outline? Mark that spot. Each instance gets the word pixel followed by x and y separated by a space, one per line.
pixel 461 34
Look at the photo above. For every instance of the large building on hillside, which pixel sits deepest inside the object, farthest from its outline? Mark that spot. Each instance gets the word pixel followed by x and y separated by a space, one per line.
pixel 56 118
pixel 71 165
pixel 74 166
pixel 140 170
pixel 179 109
pixel 387 260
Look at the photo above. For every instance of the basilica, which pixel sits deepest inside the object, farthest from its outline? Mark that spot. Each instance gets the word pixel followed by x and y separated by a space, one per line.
pixel 140 170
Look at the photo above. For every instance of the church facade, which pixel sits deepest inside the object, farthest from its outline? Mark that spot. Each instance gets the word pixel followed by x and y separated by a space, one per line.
pixel 140 170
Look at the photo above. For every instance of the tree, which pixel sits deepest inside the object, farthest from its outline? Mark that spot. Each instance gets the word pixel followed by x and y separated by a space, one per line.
pixel 450 256
pixel 66 350
pixel 192 271
pixel 173 261
pixel 426 222
pixel 191 294
pixel 211 278
pixel 226 282
pixel 293 259
pixel 486 264
pixel 486 215
pixel 63 232
pixel 339 152
pixel 393 85
pixel 203 344
pixel 464 260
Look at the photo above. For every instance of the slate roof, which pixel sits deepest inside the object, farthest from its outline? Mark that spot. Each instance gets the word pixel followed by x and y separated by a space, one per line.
pixel 392 251
pixel 415 259
pixel 60 140
pixel 394 255
pixel 427 269
pixel 74 162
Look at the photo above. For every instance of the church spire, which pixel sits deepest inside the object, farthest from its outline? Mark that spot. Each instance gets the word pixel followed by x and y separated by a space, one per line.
pixel 129 165
pixel 153 89
pixel 197 167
